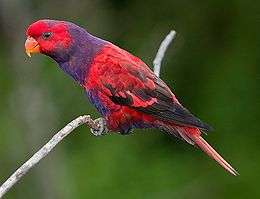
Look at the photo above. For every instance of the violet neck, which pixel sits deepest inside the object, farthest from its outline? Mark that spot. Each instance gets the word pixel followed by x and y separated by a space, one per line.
pixel 77 59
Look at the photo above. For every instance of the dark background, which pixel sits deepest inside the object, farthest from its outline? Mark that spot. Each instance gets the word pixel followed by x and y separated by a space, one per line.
pixel 212 67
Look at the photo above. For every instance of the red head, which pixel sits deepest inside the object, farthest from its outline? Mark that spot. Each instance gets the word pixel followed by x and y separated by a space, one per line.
pixel 47 37
pixel 72 47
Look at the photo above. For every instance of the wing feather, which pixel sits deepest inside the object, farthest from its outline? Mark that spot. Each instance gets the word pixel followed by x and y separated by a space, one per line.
pixel 131 83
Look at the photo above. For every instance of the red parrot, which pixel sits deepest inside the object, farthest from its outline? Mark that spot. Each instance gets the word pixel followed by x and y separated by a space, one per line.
pixel 121 86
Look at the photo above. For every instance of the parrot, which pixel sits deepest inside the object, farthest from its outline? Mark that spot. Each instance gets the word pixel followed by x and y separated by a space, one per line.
pixel 123 89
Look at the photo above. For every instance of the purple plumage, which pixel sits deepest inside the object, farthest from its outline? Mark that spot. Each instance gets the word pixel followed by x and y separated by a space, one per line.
pixel 122 87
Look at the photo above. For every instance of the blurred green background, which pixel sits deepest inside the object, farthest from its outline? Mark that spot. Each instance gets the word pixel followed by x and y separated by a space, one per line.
pixel 212 67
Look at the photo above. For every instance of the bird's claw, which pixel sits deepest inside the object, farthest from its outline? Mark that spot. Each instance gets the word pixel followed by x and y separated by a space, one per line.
pixel 102 128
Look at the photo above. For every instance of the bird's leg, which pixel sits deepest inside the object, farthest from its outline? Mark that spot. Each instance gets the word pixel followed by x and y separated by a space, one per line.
pixel 101 127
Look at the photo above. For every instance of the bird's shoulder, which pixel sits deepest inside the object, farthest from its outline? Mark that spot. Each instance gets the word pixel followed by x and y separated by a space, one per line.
pixel 112 59
pixel 116 66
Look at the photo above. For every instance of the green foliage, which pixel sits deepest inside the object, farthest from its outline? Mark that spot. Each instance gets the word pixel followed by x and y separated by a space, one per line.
pixel 212 68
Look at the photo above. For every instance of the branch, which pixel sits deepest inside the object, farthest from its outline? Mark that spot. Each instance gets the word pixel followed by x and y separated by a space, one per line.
pixel 161 51
pixel 85 119
pixel 45 150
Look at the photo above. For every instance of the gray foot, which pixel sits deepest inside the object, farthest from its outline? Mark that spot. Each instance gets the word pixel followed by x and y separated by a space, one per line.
pixel 102 128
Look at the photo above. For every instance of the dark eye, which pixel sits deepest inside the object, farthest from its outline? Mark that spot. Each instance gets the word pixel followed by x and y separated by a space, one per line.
pixel 46 35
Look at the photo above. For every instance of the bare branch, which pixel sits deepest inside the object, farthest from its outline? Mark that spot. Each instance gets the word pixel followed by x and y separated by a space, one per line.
pixel 86 119
pixel 161 51
pixel 45 150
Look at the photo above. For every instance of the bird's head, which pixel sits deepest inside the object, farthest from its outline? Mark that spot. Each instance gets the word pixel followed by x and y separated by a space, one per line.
pixel 69 45
pixel 49 37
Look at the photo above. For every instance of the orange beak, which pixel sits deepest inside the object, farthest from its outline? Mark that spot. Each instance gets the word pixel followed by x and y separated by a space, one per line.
pixel 31 46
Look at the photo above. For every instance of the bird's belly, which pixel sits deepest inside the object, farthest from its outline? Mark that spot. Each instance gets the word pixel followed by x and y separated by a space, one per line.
pixel 119 118
pixel 125 119
pixel 101 103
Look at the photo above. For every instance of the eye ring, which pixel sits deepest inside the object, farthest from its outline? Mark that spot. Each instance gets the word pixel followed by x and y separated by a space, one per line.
pixel 46 35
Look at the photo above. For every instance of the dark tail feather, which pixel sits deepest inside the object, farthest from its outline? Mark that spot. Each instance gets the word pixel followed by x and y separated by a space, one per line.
pixel 199 141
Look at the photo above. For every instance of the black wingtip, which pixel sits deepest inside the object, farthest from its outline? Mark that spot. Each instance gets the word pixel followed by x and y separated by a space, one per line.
pixel 207 127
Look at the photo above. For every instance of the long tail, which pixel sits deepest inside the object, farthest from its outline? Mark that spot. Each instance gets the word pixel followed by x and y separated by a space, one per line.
pixel 200 142
pixel 193 136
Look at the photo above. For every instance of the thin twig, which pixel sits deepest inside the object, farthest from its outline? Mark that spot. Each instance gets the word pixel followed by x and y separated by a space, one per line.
pixel 58 137
pixel 45 150
pixel 161 51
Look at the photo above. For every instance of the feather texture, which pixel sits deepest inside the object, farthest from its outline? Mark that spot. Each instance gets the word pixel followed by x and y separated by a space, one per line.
pixel 125 81
pixel 122 87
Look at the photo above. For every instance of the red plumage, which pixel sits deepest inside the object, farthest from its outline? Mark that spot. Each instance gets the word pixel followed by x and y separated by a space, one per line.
pixel 114 73
pixel 125 86
pixel 122 87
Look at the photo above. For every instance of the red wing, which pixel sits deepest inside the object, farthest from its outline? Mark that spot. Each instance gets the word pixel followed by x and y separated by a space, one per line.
pixel 130 82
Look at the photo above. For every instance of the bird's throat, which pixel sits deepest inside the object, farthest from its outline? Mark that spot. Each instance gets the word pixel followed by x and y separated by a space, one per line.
pixel 77 59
